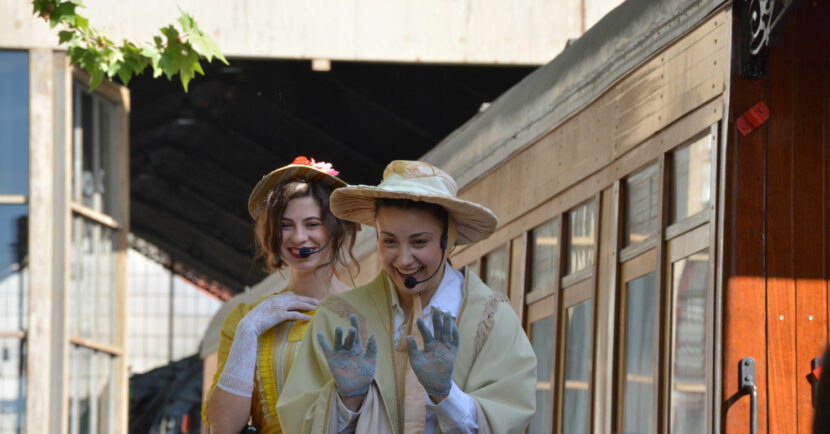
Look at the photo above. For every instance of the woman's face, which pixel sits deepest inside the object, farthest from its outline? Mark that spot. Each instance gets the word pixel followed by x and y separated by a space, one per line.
pixel 409 244
pixel 302 226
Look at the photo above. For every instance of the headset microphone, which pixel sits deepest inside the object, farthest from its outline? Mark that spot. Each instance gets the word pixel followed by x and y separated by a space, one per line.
pixel 305 252
pixel 411 282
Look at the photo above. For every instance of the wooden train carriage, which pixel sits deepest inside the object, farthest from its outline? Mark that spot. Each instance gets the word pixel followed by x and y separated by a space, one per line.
pixel 648 244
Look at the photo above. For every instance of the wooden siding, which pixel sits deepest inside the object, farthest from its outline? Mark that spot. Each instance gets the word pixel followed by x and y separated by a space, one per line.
pixel 603 141
pixel 779 186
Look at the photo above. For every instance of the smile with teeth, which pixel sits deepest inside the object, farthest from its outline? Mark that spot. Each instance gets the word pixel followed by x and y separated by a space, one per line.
pixel 406 272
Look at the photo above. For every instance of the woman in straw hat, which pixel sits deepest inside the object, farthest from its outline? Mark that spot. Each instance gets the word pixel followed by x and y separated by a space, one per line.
pixel 467 368
pixel 294 228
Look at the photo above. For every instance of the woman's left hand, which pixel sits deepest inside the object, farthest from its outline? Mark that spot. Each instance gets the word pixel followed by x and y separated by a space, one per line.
pixel 433 366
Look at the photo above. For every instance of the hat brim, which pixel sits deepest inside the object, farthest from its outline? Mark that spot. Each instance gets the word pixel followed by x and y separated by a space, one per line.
pixel 356 203
pixel 287 173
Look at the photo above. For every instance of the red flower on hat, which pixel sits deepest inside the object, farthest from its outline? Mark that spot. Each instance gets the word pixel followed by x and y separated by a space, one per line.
pixel 319 165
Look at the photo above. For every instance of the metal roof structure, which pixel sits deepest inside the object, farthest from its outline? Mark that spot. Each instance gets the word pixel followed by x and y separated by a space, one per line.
pixel 195 157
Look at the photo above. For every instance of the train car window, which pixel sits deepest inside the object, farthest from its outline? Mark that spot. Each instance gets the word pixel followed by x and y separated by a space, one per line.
pixel 541 338
pixel 689 383
pixel 691 178
pixel 576 372
pixel 641 205
pixel 495 269
pixel 581 237
pixel 638 401
pixel 544 256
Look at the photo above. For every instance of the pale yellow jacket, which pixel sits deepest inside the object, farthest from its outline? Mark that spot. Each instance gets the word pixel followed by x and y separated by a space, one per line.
pixel 495 365
pixel 275 356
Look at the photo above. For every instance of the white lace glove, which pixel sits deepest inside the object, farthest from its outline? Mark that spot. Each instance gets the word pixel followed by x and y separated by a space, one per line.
pixel 238 374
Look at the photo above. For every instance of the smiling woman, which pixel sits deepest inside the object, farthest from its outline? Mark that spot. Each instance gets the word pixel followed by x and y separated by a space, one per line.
pixel 295 229
pixel 467 368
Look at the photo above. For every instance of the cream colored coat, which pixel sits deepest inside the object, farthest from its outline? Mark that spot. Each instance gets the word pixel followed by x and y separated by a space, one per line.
pixel 495 363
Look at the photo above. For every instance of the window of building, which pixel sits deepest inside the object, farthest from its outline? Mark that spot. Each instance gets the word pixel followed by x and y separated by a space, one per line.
pixel 544 257
pixel 691 178
pixel 641 205
pixel 496 269
pixel 581 237
pixel 14 123
pixel 576 377
pixel 639 334
pixel 14 236
pixel 96 278
pixel 689 349
pixel 542 332
pixel 668 273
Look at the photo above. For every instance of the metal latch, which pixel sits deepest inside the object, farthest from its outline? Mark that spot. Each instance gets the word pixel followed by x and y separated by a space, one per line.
pixel 746 384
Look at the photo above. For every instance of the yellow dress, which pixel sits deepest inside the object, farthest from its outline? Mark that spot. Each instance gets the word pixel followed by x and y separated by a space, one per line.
pixel 275 356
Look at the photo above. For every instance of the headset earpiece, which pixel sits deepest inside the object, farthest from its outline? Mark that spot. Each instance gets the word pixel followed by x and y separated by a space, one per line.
pixel 444 241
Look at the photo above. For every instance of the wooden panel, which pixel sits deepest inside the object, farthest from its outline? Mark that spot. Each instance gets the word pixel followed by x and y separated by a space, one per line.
pixel 679 132
pixel 518 273
pixel 41 242
pixel 541 309
pixel 688 244
pixel 63 146
pixel 705 29
pixel 744 312
pixel 780 252
pixel 639 266
pixel 588 142
pixel 97 346
pixel 810 25
pixel 605 307
pixel 691 85
pixel 121 125
pixel 13 199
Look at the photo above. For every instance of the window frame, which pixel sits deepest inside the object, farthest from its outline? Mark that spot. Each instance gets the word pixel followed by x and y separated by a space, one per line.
pixel 117 221
pixel 542 309
pixel 576 288
pixel 630 270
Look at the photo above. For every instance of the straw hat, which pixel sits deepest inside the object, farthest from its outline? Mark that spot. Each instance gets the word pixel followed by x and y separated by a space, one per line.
pixel 300 168
pixel 417 181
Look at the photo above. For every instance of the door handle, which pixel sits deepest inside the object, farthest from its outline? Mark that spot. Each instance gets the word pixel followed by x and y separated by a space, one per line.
pixel 746 384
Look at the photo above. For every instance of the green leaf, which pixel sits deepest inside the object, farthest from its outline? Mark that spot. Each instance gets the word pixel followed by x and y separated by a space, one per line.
pixel 170 61
pixel 189 62
pixel 152 54
pixel 186 21
pixel 81 22
pixel 65 36
pixel 96 76
pixel 203 43
pixel 65 12
pixel 125 73
pixel 171 34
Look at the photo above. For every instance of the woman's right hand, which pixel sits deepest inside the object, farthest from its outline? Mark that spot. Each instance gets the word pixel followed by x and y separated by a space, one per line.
pixel 275 309
pixel 352 368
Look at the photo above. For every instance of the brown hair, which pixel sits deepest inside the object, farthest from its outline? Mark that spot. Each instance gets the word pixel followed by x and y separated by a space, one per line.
pixel 268 232
pixel 437 211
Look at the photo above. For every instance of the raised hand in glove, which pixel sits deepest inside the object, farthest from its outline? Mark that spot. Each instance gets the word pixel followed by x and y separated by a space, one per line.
pixel 238 375
pixel 433 366
pixel 352 368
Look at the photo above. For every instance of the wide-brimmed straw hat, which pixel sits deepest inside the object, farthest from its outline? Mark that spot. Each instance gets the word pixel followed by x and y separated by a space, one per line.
pixel 300 168
pixel 417 181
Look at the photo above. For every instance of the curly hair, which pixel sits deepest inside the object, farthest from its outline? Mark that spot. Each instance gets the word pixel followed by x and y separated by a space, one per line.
pixel 268 232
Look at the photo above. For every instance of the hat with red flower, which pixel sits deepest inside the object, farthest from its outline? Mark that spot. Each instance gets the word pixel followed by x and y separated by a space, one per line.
pixel 300 168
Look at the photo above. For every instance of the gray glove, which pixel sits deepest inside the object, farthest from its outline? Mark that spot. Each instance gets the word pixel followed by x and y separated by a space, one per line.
pixel 433 366
pixel 352 368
